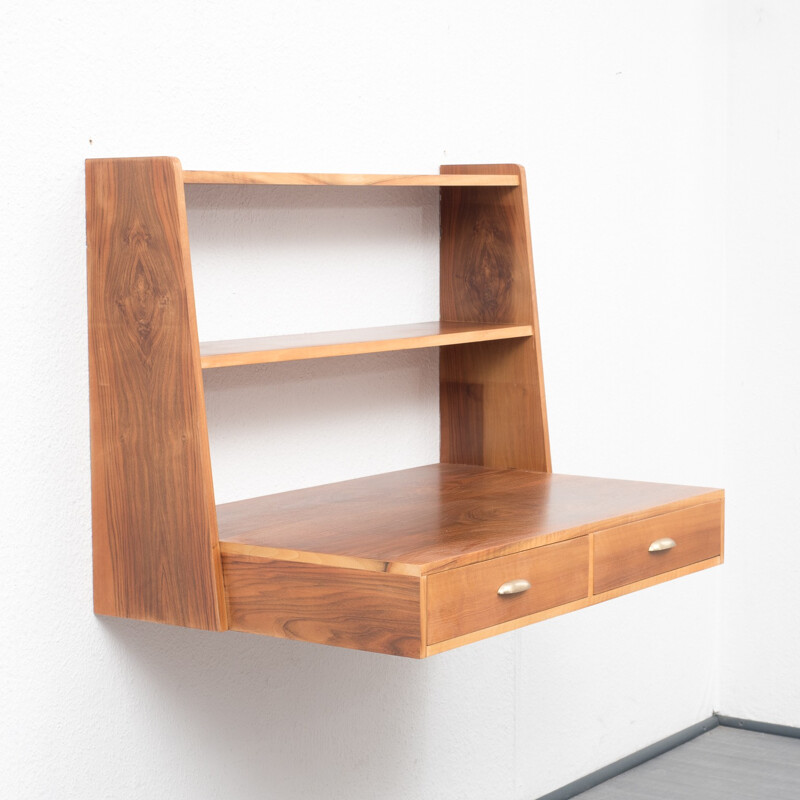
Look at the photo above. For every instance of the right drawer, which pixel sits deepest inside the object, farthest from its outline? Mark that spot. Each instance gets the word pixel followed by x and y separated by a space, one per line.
pixel 644 549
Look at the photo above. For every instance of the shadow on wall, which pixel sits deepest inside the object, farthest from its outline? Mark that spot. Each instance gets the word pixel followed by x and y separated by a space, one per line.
pixel 244 716
pixel 278 718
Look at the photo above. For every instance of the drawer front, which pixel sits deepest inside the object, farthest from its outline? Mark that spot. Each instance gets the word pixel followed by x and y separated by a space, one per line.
pixel 465 599
pixel 622 555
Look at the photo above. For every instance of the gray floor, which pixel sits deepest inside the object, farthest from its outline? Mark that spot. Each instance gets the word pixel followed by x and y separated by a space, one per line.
pixel 723 764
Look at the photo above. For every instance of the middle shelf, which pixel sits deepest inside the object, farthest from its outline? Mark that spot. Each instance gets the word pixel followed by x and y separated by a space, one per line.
pixel 327 344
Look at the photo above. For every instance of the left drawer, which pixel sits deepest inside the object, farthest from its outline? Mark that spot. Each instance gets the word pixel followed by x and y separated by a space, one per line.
pixel 466 599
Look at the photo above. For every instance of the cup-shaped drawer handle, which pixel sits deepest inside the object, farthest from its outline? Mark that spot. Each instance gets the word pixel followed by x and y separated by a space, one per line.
pixel 516 586
pixel 661 544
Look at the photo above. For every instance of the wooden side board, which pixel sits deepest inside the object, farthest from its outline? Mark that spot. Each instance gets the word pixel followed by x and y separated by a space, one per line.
pixel 155 542
pixel 492 399
pixel 357 604
pixel 352 608
pixel 406 563
pixel 413 616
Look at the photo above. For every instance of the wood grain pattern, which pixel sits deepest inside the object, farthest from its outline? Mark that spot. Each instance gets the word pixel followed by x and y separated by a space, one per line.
pixel 155 541
pixel 663 577
pixel 621 555
pixel 441 516
pixel 491 395
pixel 342 607
pixel 339 179
pixel 504 627
pixel 464 600
pixel 521 622
pixel 328 344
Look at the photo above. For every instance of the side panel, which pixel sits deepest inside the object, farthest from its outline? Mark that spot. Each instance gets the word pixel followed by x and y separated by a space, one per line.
pixel 155 543
pixel 354 608
pixel 492 393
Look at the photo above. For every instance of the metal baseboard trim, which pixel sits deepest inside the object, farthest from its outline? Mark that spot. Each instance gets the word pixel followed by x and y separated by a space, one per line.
pixel 759 727
pixel 633 760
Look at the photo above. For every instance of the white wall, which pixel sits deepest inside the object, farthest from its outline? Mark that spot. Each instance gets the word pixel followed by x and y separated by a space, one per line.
pixel 617 111
pixel 761 622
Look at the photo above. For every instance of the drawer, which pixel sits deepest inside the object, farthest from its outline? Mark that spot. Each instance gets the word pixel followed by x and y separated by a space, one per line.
pixel 465 599
pixel 622 555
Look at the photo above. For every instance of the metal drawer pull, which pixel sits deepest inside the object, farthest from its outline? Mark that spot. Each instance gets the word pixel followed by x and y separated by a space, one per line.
pixel 516 586
pixel 661 544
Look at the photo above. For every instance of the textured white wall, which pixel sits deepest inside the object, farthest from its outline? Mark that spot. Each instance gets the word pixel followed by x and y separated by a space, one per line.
pixel 617 111
pixel 761 621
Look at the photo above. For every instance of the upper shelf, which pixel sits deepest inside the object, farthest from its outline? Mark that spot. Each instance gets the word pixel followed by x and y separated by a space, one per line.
pixel 296 347
pixel 334 179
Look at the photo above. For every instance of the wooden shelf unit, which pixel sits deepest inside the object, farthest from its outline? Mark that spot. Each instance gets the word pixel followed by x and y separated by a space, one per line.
pixel 409 563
